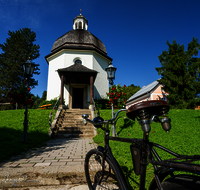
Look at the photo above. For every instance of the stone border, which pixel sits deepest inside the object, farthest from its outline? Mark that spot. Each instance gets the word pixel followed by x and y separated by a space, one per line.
pixel 55 120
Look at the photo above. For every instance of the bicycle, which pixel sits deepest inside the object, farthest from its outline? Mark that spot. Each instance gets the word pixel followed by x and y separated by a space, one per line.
pixel 102 170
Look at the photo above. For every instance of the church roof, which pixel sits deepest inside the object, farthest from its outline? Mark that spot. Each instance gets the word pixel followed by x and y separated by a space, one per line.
pixel 77 67
pixel 77 73
pixel 79 38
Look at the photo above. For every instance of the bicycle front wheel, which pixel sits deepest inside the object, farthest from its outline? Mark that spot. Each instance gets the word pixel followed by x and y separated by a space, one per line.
pixel 97 178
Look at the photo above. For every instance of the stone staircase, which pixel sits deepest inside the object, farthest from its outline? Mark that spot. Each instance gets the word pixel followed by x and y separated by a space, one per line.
pixel 70 125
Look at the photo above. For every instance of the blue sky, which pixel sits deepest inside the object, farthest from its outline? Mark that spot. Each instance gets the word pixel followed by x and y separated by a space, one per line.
pixel 134 31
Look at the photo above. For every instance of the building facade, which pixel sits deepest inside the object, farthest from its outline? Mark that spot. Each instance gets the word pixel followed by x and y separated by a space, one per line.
pixel 77 65
pixel 150 92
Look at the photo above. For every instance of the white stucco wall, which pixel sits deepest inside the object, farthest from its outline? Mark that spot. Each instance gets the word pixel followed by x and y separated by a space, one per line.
pixel 101 82
pixel 66 58
pixel 53 85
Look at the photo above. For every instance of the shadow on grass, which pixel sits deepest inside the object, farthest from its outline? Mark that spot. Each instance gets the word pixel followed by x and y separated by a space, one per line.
pixel 11 142
pixel 37 144
pixel 198 117
pixel 127 124
pixel 128 173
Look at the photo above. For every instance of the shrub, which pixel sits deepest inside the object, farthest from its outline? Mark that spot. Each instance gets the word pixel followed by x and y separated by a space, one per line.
pixel 101 103
pixel 117 95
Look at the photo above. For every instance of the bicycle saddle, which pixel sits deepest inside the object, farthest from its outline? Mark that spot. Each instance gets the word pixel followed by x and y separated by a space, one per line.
pixel 153 107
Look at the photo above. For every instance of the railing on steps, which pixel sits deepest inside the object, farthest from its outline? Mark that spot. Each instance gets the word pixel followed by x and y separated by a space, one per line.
pixel 93 115
pixel 95 109
pixel 55 107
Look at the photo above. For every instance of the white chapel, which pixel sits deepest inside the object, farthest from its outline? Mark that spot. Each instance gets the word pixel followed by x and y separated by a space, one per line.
pixel 77 65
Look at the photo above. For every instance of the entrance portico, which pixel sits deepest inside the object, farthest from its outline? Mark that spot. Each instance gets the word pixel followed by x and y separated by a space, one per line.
pixel 78 78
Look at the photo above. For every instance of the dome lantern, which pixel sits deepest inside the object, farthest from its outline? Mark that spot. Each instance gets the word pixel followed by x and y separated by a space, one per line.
pixel 80 22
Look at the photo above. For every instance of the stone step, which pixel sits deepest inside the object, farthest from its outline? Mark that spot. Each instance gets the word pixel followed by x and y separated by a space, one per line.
pixel 77 112
pixel 76 130
pixel 71 120
pixel 68 116
pixel 72 135
pixel 70 124
pixel 60 125
pixel 78 127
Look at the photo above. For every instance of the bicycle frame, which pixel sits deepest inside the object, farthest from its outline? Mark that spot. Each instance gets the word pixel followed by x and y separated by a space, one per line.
pixel 147 152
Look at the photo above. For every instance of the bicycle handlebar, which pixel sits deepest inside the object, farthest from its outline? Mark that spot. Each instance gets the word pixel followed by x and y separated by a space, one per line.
pixel 146 111
pixel 85 119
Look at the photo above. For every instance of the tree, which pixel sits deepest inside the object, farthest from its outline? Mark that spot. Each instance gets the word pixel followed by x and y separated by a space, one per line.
pixel 180 73
pixel 19 47
pixel 118 95
pixel 44 95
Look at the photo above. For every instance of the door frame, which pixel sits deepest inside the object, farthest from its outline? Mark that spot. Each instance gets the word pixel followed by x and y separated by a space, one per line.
pixel 84 86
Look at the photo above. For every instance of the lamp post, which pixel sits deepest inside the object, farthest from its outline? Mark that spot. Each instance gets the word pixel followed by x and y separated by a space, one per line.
pixel 28 67
pixel 111 76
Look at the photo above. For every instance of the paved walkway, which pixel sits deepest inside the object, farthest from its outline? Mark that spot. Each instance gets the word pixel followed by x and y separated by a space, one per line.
pixel 60 162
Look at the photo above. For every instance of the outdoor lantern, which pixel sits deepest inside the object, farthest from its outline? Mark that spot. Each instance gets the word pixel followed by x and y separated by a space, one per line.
pixel 111 72
pixel 111 76
pixel 28 68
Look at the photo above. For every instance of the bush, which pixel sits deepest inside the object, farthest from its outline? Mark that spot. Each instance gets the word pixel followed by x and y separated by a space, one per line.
pixel 117 95
pixel 101 103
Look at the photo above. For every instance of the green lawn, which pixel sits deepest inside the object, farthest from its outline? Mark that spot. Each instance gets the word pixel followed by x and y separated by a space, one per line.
pixel 183 138
pixel 11 129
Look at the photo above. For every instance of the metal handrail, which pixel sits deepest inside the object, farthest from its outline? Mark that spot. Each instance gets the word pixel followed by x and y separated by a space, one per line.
pixel 54 108
pixel 95 109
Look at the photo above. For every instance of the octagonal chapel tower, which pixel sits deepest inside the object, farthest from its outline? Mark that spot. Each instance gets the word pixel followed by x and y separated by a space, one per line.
pixel 77 65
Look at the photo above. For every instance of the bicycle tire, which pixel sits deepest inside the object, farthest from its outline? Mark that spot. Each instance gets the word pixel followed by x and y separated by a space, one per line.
pixel 181 182
pixel 93 172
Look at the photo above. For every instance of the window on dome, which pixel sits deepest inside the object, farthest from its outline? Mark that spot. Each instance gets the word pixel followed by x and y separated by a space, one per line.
pixel 78 61
pixel 80 25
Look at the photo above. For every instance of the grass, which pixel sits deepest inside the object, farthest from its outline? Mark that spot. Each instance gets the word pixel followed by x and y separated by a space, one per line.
pixel 11 130
pixel 183 138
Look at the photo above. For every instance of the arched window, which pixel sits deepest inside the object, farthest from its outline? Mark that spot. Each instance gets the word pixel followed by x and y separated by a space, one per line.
pixel 80 25
pixel 78 61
